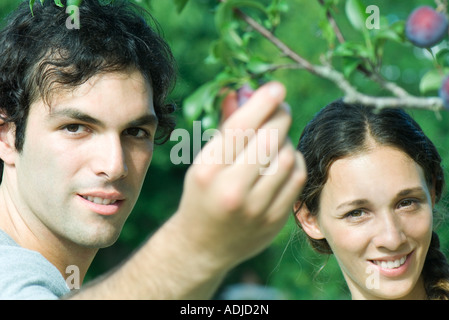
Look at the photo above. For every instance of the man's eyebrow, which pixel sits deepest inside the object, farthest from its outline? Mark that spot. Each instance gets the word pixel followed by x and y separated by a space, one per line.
pixel 75 114
pixel 146 120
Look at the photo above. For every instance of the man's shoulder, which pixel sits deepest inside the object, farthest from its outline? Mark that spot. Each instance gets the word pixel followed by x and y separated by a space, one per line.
pixel 26 274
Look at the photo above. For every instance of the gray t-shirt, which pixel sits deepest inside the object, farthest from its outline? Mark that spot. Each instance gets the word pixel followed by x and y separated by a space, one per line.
pixel 26 274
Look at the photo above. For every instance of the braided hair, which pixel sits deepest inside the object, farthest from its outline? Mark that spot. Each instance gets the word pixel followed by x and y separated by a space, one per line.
pixel 436 272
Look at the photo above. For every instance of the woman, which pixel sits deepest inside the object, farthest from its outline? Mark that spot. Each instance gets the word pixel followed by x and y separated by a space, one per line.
pixel 373 181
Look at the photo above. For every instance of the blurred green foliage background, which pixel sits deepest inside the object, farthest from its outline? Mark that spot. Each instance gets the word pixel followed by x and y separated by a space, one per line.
pixel 288 264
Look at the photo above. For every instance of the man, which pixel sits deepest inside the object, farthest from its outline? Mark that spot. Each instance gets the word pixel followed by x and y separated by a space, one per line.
pixel 81 110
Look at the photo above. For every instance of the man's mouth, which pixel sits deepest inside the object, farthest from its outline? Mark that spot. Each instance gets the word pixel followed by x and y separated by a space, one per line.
pixel 103 203
pixel 99 200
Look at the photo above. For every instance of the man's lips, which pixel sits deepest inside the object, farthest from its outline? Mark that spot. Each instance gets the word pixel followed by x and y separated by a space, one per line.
pixel 103 195
pixel 99 200
pixel 104 203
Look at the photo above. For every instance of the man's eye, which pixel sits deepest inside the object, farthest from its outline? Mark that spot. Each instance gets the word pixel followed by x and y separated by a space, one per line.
pixel 137 133
pixel 74 128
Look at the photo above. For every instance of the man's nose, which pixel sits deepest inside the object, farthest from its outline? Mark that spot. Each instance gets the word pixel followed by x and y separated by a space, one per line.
pixel 110 158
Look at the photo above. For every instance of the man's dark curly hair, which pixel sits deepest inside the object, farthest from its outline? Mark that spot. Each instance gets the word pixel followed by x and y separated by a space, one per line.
pixel 39 54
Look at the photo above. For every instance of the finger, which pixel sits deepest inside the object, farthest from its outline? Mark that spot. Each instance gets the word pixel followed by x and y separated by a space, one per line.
pixel 271 182
pixel 271 137
pixel 258 109
pixel 281 204
pixel 242 125
pixel 262 147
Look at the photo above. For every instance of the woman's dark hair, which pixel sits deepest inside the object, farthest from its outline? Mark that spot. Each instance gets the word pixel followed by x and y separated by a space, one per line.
pixel 341 130
pixel 39 54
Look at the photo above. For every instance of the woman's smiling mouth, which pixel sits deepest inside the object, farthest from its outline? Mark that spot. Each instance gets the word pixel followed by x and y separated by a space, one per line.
pixel 390 264
pixel 393 266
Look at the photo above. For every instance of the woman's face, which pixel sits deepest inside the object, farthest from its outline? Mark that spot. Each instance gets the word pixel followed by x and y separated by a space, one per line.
pixel 376 215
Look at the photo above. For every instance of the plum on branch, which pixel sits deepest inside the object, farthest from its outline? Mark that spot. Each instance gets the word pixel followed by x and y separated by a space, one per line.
pixel 426 27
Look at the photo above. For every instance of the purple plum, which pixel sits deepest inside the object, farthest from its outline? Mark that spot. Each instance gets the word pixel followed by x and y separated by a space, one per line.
pixel 426 27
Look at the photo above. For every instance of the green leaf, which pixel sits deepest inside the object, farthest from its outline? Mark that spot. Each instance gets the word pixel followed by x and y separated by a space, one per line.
pixel 399 28
pixel 235 45
pixel 225 14
pixel 202 99
pixel 74 3
pixel 274 11
pixel 209 121
pixel 327 30
pixel 350 65
pixel 387 34
pixel 180 5
pixel 352 49
pixel 215 52
pixel 355 11
pixel 329 3
pixel 58 3
pixel 442 57
pixel 431 81
pixel 258 66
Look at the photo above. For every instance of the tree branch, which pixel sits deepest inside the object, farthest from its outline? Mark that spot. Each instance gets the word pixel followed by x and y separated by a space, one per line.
pixel 333 23
pixel 390 86
pixel 402 100
pixel 354 96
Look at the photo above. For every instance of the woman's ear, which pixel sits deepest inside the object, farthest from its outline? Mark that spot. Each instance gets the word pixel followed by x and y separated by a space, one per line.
pixel 7 142
pixel 309 222
pixel 433 193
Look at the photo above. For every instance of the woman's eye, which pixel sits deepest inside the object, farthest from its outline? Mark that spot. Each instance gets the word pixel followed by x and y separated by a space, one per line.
pixel 408 204
pixel 355 214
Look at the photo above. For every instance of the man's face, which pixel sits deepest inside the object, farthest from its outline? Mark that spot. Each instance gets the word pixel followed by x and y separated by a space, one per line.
pixel 84 159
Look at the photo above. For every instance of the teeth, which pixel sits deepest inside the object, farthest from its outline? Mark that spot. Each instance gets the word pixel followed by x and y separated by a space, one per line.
pixel 391 264
pixel 98 200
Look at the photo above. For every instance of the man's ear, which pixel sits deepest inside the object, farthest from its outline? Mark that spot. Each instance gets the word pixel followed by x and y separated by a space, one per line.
pixel 7 142
pixel 309 222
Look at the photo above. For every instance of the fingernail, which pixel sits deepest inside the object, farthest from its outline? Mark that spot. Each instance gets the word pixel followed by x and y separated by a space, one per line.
pixel 275 89
pixel 243 94
pixel 286 107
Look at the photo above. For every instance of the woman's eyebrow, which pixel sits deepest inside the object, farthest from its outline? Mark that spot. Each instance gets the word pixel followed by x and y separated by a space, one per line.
pixel 408 191
pixel 357 203
pixel 363 202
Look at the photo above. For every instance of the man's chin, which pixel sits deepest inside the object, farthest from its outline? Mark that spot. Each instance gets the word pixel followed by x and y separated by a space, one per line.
pixel 97 240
